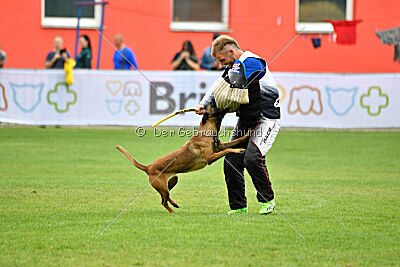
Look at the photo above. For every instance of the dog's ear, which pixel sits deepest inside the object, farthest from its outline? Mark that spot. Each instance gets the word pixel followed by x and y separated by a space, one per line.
pixel 204 119
pixel 209 109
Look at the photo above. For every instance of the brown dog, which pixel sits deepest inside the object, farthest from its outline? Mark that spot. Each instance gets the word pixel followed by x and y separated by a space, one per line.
pixel 201 149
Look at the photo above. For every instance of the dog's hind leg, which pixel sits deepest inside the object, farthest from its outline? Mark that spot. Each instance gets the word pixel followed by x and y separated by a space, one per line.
pixel 173 202
pixel 161 186
pixel 164 199
pixel 171 183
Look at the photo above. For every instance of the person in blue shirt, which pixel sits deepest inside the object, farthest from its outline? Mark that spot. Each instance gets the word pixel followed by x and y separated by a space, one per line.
pixel 207 61
pixel 247 71
pixel 124 58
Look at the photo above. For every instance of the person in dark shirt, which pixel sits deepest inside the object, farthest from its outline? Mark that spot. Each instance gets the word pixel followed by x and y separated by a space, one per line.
pixel 186 59
pixel 83 60
pixel 54 60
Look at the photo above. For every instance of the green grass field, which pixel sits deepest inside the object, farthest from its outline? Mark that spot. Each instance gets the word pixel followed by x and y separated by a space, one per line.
pixel 60 187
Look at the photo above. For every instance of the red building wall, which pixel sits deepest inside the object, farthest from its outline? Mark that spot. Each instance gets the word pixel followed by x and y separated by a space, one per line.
pixel 145 26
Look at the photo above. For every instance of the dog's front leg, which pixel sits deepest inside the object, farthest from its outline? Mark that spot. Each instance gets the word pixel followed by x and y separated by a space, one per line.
pixel 226 145
pixel 215 156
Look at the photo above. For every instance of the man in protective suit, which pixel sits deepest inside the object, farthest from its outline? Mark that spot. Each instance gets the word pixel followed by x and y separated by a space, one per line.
pixel 260 112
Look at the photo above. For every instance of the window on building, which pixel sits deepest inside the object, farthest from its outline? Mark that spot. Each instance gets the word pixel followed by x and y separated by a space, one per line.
pixel 63 14
pixel 200 15
pixel 312 14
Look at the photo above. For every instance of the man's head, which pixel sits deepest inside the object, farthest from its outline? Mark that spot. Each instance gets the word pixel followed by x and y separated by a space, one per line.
pixel 226 50
pixel 118 40
pixel 58 42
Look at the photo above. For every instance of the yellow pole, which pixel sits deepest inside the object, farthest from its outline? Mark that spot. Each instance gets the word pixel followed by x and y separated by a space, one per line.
pixel 174 114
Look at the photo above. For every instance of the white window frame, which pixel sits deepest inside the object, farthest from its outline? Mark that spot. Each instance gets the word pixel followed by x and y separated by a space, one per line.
pixel 64 22
pixel 321 27
pixel 202 26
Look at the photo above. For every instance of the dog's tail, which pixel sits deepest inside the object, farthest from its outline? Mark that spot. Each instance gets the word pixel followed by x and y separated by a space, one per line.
pixel 129 156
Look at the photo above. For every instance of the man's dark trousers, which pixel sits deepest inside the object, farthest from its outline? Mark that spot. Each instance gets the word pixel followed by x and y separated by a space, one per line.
pixel 254 162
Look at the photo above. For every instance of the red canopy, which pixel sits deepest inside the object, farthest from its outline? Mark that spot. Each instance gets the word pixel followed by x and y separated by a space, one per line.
pixel 345 30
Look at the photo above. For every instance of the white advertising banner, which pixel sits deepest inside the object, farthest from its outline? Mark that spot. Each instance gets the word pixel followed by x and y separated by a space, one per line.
pixel 41 97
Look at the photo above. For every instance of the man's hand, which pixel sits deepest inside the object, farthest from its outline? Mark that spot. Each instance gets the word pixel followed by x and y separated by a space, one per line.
pixel 56 56
pixel 200 110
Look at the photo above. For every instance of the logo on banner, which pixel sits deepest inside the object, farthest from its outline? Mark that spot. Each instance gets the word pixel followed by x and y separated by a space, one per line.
pixel 305 99
pixel 61 97
pixel 132 107
pixel 129 90
pixel 114 87
pixel 374 101
pixel 114 106
pixel 27 96
pixel 341 100
pixel 3 99
pixel 132 89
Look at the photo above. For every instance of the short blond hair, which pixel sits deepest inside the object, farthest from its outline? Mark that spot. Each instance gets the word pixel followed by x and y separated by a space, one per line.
pixel 219 44
pixel 58 37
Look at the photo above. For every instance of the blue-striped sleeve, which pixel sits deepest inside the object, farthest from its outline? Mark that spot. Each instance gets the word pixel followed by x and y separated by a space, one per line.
pixel 254 69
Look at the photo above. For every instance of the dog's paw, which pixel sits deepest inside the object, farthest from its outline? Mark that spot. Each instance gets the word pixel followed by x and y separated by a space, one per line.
pixel 175 205
pixel 238 150
pixel 249 131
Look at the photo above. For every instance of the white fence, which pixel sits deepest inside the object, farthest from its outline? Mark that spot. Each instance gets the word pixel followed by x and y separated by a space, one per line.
pixel 41 97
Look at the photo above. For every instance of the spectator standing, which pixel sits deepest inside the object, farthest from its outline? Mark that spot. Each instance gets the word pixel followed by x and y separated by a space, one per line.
pixel 207 61
pixel 84 59
pixel 124 57
pixel 3 57
pixel 54 59
pixel 186 59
